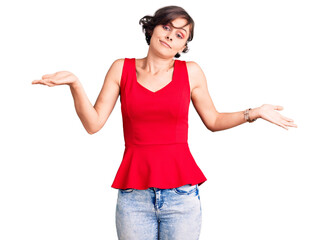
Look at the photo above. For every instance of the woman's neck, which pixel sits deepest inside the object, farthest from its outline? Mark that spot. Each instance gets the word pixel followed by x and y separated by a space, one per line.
pixel 154 64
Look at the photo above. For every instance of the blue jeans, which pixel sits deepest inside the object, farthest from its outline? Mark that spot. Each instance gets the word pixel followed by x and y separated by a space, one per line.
pixel 153 214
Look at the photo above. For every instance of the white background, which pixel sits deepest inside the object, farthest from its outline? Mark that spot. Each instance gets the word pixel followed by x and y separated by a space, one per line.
pixel 264 182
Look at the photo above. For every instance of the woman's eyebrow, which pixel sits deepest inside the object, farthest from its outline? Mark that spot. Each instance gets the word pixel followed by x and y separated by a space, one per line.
pixel 178 27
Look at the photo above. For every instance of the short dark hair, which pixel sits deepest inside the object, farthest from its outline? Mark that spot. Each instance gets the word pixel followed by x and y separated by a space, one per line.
pixel 164 16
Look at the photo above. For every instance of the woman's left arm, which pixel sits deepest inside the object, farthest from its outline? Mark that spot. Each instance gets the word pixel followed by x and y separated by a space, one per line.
pixel 216 121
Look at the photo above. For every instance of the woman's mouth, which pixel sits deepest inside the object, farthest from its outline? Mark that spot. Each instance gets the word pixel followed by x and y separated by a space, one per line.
pixel 165 44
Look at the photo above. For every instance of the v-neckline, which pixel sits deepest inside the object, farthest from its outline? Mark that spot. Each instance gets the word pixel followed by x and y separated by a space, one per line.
pixel 164 87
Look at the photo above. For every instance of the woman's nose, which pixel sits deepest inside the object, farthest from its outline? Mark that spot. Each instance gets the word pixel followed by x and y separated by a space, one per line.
pixel 169 38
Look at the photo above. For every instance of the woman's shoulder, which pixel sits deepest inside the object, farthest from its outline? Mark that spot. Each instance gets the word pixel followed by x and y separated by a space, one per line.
pixel 115 71
pixel 119 61
pixel 117 65
pixel 193 67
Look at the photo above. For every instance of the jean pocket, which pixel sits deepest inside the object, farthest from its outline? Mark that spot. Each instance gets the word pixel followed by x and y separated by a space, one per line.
pixel 128 190
pixel 186 189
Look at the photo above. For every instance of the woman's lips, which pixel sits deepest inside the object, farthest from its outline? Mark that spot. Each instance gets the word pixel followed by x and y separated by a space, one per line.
pixel 165 44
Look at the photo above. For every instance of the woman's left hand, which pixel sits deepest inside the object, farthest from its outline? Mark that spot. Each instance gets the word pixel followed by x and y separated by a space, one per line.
pixel 268 112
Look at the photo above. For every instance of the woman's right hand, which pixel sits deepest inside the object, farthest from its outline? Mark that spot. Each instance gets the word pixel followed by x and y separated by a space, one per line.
pixel 58 78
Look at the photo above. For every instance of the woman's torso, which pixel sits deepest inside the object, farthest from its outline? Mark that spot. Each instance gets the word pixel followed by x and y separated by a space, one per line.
pixel 155 127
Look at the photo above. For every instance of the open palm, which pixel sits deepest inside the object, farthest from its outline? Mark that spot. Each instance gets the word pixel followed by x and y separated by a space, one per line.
pixel 268 112
pixel 58 78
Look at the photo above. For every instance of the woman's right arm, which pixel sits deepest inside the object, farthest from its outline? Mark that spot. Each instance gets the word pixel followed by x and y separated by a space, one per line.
pixel 94 117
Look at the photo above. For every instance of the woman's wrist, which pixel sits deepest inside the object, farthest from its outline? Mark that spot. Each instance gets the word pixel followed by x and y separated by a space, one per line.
pixel 75 84
pixel 254 113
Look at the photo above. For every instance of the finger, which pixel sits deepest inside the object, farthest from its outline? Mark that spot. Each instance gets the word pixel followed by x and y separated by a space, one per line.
pixel 49 84
pixel 289 124
pixel 287 119
pixel 44 82
pixel 54 82
pixel 282 125
pixel 38 82
pixel 35 81
pixel 279 108
pixel 48 75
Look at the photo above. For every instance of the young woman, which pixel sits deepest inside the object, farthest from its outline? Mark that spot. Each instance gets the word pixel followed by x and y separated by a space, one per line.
pixel 158 180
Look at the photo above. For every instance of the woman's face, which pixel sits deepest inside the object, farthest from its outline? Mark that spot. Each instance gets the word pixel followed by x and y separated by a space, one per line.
pixel 171 38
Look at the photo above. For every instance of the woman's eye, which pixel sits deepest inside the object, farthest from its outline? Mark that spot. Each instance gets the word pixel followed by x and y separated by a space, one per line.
pixel 179 35
pixel 166 27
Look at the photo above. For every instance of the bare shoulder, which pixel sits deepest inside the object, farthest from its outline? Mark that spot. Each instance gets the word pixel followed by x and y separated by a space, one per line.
pixel 192 64
pixel 196 75
pixel 193 67
pixel 115 71
pixel 119 62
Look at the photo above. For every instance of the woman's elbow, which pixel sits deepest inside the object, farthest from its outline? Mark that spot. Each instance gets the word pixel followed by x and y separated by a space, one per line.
pixel 93 130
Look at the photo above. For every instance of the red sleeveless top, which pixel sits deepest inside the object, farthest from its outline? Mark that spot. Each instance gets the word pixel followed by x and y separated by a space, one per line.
pixel 155 127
